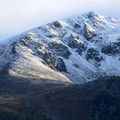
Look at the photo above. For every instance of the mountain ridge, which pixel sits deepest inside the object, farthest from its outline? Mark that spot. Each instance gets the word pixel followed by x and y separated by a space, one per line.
pixel 65 70
pixel 81 49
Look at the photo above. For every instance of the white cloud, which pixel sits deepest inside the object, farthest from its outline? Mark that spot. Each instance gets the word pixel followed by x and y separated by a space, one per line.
pixel 21 15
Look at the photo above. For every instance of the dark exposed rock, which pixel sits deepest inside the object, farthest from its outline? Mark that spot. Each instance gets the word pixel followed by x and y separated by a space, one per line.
pixel 60 65
pixel 91 14
pixel 49 59
pixel 93 54
pixel 118 39
pixel 59 49
pixel 55 63
pixel 76 65
pixel 81 48
pixel 29 37
pixel 77 42
pixel 23 42
pixel 51 35
pixel 13 47
pixel 5 71
pixel 13 50
pixel 88 34
pixel 40 49
pixel 57 24
pixel 117 43
pixel 112 49
pixel 2 48
pixel 73 41
pixel 77 26
pixel 40 46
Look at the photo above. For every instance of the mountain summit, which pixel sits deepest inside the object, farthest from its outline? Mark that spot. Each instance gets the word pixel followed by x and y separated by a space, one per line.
pixel 77 49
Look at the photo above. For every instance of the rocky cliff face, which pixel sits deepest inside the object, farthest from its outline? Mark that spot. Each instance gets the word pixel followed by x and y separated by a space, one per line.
pixel 81 48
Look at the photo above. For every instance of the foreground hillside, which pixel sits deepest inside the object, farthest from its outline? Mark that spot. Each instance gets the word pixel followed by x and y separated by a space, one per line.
pixel 97 100
pixel 65 70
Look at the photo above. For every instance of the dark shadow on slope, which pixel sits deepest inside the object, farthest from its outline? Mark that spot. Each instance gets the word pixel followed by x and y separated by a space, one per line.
pixel 41 99
pixel 20 85
pixel 97 100
pixel 20 96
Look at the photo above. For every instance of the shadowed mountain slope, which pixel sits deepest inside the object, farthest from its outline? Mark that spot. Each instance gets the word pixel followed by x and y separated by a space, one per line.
pixel 78 49
pixel 96 100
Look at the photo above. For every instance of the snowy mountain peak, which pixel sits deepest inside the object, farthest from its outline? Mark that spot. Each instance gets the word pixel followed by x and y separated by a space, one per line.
pixel 78 49
pixel 94 16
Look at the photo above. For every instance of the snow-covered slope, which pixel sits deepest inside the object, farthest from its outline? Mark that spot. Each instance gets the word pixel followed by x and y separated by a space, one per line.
pixel 78 49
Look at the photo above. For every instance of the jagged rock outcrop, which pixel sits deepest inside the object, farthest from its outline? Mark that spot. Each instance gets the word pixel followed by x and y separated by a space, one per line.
pixel 60 65
pixel 112 49
pixel 93 54
pixel 59 49
pixel 73 41
pixel 88 32
pixel 57 24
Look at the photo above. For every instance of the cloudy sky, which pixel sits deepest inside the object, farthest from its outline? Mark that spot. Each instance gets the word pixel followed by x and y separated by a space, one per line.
pixel 20 15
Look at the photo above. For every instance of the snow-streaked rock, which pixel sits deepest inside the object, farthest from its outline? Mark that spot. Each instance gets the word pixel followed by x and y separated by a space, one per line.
pixel 88 46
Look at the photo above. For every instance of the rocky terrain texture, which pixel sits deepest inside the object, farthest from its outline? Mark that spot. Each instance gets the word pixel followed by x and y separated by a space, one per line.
pixel 77 49
pixel 65 70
